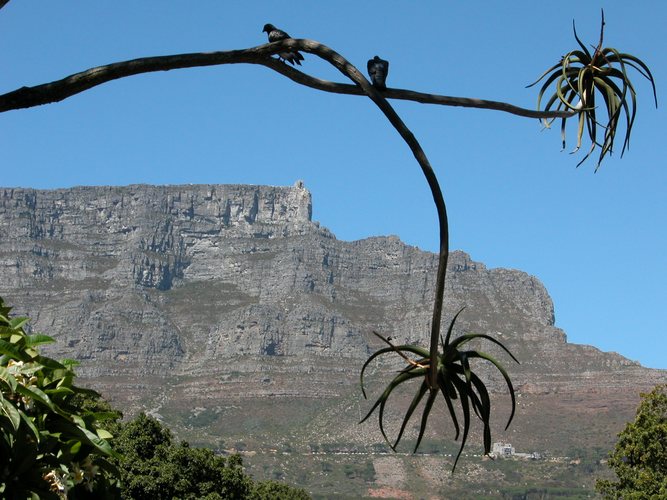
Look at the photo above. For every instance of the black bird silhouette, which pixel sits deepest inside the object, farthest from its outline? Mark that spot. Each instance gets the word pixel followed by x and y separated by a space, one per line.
pixel 378 69
pixel 275 35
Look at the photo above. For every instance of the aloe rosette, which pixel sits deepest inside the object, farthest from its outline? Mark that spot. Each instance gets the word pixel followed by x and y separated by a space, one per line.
pixel 455 381
pixel 581 80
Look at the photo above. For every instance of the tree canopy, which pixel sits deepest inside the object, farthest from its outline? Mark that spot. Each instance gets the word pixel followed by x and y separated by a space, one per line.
pixel 639 459
pixel 58 440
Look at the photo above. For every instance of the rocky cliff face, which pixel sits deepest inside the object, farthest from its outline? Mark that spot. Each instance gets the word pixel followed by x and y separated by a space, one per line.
pixel 221 291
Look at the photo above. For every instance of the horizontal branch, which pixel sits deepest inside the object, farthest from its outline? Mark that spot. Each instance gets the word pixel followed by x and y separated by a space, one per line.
pixel 56 91
pixel 410 95
pixel 26 97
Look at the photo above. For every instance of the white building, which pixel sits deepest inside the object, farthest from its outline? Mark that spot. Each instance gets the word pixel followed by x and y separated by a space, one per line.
pixel 503 449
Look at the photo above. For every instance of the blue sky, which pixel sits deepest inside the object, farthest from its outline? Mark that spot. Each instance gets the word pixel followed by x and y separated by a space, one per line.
pixel 597 241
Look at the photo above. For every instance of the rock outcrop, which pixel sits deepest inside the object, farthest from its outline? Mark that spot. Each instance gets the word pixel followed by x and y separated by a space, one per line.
pixel 211 292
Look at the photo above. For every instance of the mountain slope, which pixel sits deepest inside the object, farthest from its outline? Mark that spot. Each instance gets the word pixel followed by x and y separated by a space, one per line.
pixel 222 307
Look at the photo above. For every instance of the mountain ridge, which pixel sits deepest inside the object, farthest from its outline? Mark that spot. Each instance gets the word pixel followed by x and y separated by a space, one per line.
pixel 217 296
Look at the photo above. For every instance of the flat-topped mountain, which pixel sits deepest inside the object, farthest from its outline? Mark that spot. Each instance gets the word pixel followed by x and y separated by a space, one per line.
pixel 183 297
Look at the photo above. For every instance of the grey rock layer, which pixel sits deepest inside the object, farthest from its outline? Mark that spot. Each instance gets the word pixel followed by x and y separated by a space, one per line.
pixel 149 285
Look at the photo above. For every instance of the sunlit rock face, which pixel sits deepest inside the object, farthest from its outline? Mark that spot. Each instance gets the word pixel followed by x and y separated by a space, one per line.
pixel 221 291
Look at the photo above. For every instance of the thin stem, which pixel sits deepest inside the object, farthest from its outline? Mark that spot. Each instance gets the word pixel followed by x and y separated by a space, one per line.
pixel 599 47
pixel 355 75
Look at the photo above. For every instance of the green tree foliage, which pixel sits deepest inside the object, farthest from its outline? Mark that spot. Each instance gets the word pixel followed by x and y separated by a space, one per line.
pixel 152 466
pixel 50 447
pixel 52 444
pixel 270 490
pixel 640 457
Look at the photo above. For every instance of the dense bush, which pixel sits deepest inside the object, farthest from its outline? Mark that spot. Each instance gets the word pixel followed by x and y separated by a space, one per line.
pixel 152 466
pixel 639 459
pixel 53 444
pixel 50 446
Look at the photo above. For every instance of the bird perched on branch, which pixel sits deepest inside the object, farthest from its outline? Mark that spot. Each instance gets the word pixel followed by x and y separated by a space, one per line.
pixel 378 69
pixel 275 35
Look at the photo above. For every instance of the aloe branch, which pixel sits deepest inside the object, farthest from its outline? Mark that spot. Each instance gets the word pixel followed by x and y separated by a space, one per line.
pixel 59 90
pixel 381 102
pixel 577 78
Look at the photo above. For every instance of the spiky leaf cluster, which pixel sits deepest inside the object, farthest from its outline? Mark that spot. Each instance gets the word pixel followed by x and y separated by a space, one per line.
pixel 456 381
pixel 597 89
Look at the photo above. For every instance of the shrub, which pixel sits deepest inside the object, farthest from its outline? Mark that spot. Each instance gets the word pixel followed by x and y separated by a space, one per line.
pixel 50 447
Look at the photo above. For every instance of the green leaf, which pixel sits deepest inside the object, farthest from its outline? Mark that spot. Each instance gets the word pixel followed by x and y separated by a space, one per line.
pixel 31 425
pixel 99 443
pixel 17 323
pixel 8 378
pixel 12 351
pixel 461 386
pixel 407 348
pixel 484 412
pixel 413 405
pixel 503 372
pixel 450 329
pixel 38 395
pixel 58 391
pixel 37 340
pixel 69 363
pixel 104 434
pixel 449 392
pixel 576 37
pixel 628 57
pixel 75 446
pixel 49 363
pixel 11 412
pixel 427 411
pixel 471 336
pixel 384 397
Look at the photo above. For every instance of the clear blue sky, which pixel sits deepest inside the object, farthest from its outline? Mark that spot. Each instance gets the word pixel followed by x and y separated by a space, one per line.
pixel 597 241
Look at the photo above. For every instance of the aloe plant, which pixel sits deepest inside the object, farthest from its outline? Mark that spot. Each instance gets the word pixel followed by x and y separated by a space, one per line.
pixel 578 78
pixel 445 368
pixel 455 380
pixel 581 80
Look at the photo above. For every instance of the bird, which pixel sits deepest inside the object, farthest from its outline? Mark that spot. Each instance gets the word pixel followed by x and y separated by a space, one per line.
pixel 275 35
pixel 378 69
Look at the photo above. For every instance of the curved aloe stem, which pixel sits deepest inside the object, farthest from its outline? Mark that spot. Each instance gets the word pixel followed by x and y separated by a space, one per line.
pixel 355 75
pixel 440 373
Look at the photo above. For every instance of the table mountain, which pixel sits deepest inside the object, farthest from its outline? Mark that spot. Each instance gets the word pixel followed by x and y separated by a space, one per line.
pixel 196 299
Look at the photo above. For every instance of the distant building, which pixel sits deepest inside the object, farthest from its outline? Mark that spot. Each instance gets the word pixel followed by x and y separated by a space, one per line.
pixel 503 449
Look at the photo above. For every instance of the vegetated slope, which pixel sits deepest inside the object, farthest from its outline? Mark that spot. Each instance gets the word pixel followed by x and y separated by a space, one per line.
pixel 229 312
